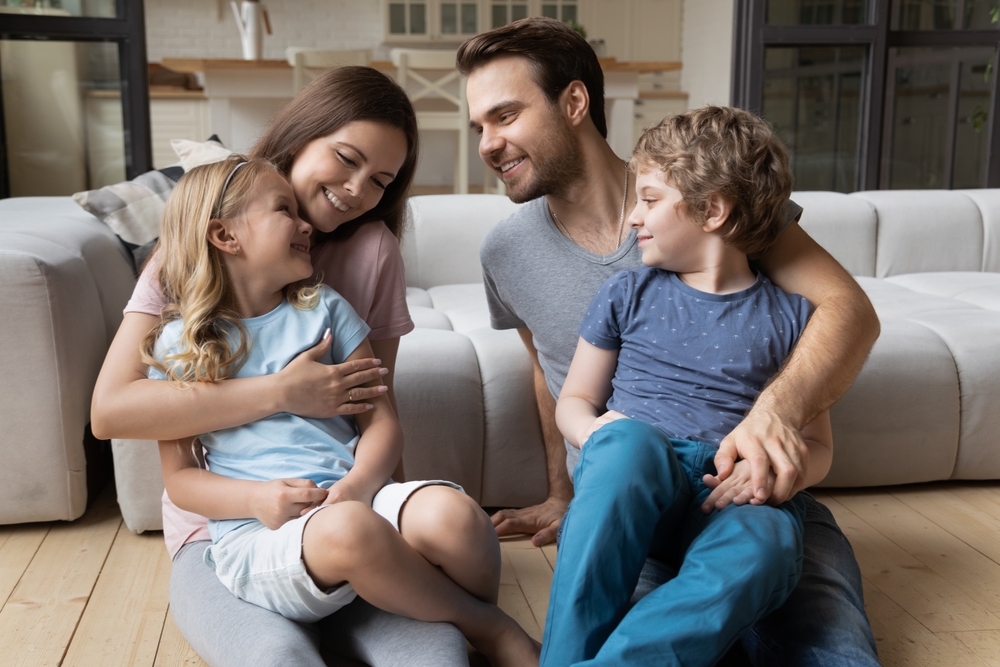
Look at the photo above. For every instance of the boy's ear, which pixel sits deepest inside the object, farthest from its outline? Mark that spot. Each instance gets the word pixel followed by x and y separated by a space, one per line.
pixel 220 236
pixel 574 101
pixel 717 214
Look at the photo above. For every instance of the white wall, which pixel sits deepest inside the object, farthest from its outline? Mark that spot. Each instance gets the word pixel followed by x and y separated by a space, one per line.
pixel 198 29
pixel 707 51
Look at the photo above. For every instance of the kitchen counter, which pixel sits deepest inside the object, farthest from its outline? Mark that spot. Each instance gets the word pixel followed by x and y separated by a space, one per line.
pixel 244 94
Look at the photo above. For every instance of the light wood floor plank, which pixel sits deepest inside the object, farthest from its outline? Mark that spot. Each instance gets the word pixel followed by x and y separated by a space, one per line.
pixel 928 597
pixel 968 516
pixel 533 575
pixel 550 555
pixel 986 645
pixel 41 615
pixel 904 642
pixel 124 619
pixel 174 651
pixel 975 575
pixel 18 545
pixel 512 599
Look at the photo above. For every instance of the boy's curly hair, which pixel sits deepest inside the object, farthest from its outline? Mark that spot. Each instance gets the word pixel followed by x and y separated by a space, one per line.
pixel 727 152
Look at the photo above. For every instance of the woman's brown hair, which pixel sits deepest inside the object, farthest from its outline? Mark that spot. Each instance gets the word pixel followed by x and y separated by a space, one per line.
pixel 332 100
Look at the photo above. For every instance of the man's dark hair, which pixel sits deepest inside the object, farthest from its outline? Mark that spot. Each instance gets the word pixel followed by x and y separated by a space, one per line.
pixel 557 53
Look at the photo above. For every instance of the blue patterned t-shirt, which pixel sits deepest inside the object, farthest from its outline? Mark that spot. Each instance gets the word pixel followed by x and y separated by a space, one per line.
pixel 690 362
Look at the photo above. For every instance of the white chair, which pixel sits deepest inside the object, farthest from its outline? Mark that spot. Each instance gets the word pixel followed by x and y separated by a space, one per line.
pixel 310 63
pixel 438 95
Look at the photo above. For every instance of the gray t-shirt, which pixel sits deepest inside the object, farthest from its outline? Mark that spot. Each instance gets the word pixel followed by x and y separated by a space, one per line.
pixel 537 278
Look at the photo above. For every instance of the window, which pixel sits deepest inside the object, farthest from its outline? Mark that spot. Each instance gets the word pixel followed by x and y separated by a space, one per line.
pixel 454 20
pixel 871 94
pixel 70 78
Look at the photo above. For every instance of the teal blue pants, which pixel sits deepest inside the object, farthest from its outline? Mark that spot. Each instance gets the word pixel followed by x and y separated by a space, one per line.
pixel 639 493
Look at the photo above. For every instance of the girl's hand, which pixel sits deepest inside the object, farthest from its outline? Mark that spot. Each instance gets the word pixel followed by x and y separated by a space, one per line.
pixel 606 418
pixel 279 500
pixel 737 488
pixel 313 389
pixel 343 490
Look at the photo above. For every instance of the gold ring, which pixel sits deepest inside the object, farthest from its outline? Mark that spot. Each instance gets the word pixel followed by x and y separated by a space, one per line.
pixel 349 397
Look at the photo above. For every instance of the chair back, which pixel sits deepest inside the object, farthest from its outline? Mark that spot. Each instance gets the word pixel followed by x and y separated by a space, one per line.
pixel 430 75
pixel 310 63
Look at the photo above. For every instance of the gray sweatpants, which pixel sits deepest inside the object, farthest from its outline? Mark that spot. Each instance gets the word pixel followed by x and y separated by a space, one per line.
pixel 228 632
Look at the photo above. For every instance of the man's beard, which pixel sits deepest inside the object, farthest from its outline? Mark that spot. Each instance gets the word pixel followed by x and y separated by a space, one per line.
pixel 556 165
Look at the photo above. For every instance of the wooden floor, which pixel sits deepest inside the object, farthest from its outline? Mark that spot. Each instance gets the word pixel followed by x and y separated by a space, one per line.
pixel 92 593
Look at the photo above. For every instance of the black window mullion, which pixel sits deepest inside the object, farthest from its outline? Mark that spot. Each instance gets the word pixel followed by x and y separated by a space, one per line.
pixel 873 111
pixel 932 38
pixel 4 177
pixel 993 166
pixel 75 28
pixel 135 94
pixel 822 34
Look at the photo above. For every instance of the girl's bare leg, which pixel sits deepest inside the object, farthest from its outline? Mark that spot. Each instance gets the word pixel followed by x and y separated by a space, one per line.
pixel 350 542
pixel 452 531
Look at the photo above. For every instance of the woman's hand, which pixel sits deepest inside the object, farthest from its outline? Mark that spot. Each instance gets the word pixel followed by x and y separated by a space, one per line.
pixel 280 500
pixel 313 389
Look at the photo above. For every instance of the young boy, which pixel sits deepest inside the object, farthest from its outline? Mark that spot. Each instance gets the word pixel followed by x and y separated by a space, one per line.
pixel 670 359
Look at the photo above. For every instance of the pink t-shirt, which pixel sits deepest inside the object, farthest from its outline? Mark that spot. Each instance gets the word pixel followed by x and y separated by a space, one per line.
pixel 366 269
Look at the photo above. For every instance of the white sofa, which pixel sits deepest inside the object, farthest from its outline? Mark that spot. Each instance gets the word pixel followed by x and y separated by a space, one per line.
pixel 925 407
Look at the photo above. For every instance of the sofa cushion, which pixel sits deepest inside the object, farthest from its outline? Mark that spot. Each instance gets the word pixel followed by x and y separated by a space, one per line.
pixel 979 289
pixel 988 202
pixel 441 246
pixel 926 230
pixel 132 209
pixel 845 226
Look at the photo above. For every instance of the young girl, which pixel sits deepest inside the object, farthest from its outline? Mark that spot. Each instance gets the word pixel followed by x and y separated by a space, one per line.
pixel 351 135
pixel 234 254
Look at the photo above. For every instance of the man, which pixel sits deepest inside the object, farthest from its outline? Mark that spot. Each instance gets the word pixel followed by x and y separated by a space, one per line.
pixel 536 98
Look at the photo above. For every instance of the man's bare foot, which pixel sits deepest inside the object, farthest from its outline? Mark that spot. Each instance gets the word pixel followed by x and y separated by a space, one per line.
pixel 540 521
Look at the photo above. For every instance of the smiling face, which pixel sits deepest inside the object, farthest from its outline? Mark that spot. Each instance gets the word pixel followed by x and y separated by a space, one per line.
pixel 522 136
pixel 668 237
pixel 343 175
pixel 273 239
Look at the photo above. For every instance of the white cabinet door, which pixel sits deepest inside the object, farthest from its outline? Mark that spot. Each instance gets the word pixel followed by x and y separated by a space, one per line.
pixel 176 118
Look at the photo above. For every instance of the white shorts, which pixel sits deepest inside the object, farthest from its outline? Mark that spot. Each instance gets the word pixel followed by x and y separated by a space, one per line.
pixel 265 566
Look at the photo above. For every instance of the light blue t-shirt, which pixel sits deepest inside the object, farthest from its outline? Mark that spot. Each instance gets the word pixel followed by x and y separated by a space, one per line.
pixel 690 362
pixel 283 445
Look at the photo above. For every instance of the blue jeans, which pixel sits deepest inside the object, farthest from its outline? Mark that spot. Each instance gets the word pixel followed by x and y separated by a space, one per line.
pixel 638 492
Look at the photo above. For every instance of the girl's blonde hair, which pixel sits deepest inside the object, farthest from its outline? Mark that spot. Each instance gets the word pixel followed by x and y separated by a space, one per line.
pixel 213 342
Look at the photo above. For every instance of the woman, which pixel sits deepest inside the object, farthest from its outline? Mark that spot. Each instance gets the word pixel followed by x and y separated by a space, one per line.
pixel 348 144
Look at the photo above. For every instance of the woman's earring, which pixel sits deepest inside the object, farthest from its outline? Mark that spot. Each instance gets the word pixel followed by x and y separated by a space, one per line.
pixel 237 251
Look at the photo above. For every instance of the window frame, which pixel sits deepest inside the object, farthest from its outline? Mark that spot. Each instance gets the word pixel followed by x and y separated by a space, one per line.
pixel 128 30
pixel 751 36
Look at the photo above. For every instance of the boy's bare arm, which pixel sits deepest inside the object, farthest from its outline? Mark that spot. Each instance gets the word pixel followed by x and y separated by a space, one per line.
pixel 825 362
pixel 581 407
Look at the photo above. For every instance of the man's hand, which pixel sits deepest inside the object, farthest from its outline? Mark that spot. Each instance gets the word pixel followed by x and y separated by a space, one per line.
pixel 540 521
pixel 737 489
pixel 767 443
pixel 280 500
